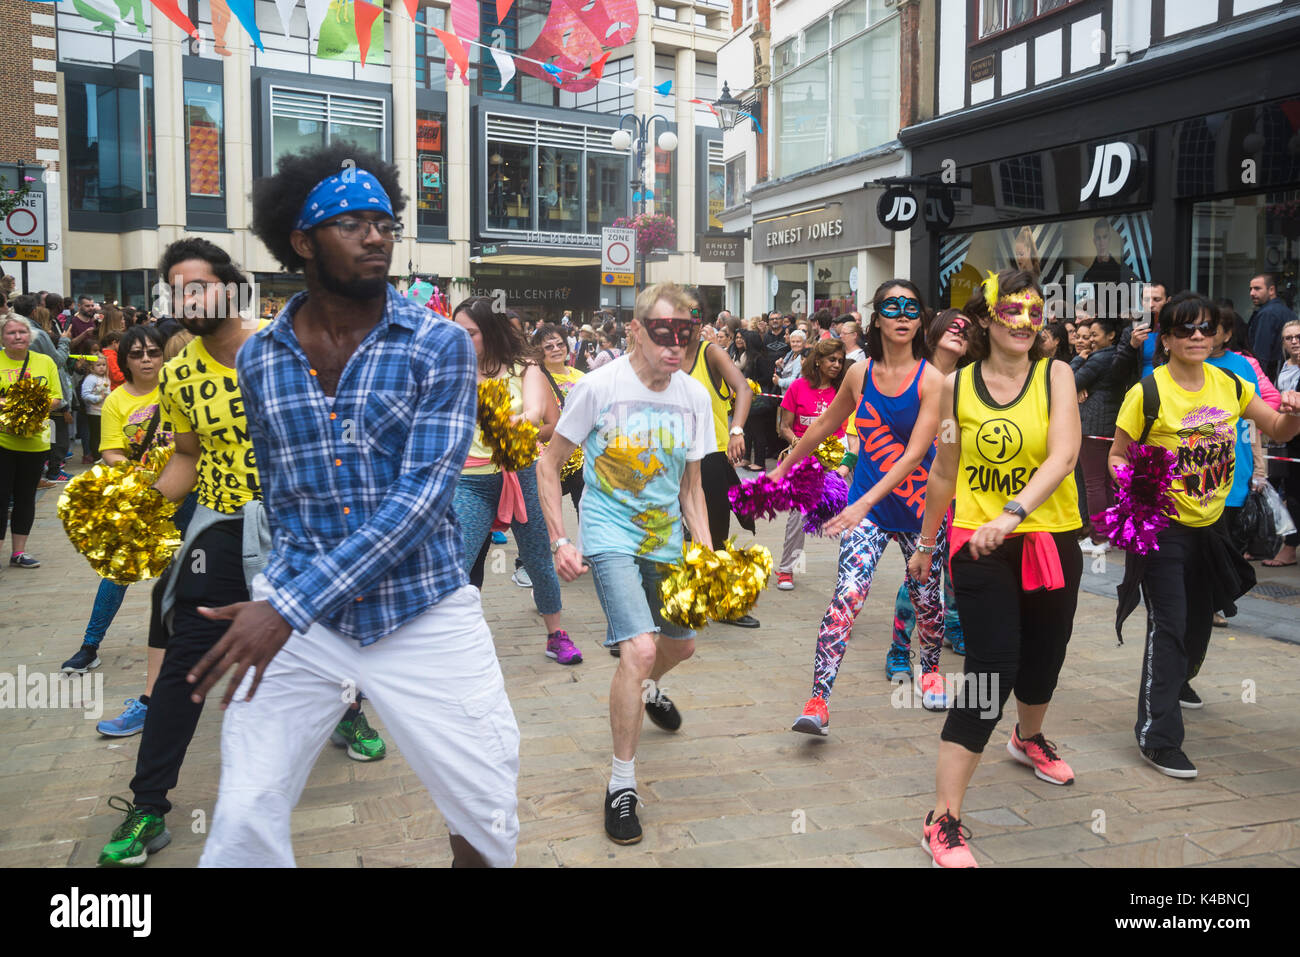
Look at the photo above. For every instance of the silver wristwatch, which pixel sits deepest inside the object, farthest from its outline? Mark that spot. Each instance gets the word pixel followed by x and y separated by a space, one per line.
pixel 556 545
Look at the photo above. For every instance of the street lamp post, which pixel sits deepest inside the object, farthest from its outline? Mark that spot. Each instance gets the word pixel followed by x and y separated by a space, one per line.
pixel 623 139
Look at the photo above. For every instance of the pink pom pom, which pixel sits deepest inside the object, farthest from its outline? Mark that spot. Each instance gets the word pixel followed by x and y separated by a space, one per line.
pixel 1143 504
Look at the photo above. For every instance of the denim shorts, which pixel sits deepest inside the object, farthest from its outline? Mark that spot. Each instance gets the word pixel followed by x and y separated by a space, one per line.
pixel 628 589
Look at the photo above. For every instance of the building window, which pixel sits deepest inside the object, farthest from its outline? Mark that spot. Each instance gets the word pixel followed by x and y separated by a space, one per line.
pixel 431 169
pixel 1232 239
pixel 510 186
pixel 307 119
pixel 111 166
pixel 837 102
pixel 735 194
pixel 430 63
pixel 717 186
pixel 203 145
pixel 606 190
pixel 998 15
pixel 515 34
pixel 613 96
pixel 559 190
pixel 82 40
pixel 665 180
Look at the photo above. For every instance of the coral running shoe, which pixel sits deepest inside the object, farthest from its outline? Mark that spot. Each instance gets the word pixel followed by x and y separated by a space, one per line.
pixel 559 647
pixel 946 842
pixel 815 718
pixel 934 695
pixel 1040 754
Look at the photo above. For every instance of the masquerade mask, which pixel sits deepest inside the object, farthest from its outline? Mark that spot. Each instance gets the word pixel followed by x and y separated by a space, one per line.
pixel 960 327
pixel 1185 330
pixel 669 332
pixel 1020 311
pixel 900 307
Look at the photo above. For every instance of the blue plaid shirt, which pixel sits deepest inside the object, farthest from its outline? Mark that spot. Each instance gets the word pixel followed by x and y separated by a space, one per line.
pixel 358 495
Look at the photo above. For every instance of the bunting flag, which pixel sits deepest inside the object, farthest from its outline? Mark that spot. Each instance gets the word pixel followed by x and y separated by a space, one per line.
pixel 465 19
pixel 752 118
pixel 412 8
pixel 220 22
pixel 664 88
pixel 316 13
pixel 363 18
pixel 105 22
pixel 503 8
pixel 170 10
pixel 574 36
pixel 245 13
pixel 455 51
pixel 553 71
pixel 285 9
pixel 505 65
pixel 598 68
pixel 134 10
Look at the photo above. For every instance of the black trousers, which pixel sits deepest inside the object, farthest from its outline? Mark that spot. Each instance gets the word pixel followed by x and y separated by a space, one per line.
pixel 758 430
pixel 211 574
pixel 717 475
pixel 1015 639
pixel 1180 615
pixel 20 474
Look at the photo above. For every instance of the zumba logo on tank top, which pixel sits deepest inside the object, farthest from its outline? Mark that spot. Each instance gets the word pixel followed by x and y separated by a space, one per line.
pixel 1206 452
pixel 884 425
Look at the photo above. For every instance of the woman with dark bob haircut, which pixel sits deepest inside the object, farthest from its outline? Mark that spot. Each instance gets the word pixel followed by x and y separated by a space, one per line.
pixel 135 339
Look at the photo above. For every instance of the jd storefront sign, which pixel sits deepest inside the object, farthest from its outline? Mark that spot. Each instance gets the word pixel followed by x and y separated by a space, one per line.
pixel 844 223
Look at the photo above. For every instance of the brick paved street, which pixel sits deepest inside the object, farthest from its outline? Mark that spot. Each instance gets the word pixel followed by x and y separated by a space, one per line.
pixel 734 786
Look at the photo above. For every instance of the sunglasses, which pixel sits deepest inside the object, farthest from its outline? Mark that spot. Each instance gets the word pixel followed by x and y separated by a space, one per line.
pixel 151 353
pixel 670 332
pixel 896 307
pixel 1185 330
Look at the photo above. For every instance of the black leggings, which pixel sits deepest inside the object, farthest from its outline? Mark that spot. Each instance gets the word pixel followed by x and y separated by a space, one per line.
pixel 1014 639
pixel 717 476
pixel 20 474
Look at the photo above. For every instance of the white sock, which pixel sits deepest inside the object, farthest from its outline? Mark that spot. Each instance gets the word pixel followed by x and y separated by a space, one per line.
pixel 624 775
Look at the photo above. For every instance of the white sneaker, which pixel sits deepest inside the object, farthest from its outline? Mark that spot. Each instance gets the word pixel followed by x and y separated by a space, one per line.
pixel 520 578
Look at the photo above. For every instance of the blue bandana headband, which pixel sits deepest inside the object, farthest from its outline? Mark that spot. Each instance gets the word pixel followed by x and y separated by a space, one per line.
pixel 351 191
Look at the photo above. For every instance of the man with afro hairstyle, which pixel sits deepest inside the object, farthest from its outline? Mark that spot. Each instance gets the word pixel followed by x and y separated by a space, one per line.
pixel 361 407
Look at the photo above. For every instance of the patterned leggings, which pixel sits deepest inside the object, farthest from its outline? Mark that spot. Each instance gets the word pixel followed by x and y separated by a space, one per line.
pixel 860 550
pixel 905 614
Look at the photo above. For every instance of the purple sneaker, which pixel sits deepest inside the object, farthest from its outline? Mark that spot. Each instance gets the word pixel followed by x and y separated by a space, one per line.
pixel 559 647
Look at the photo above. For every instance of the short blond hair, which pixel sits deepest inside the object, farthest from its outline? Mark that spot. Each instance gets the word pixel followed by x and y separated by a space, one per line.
pixel 669 292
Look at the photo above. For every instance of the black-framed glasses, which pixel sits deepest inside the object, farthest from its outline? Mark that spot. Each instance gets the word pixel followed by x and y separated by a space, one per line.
pixel 670 332
pixel 390 230
pixel 151 353
pixel 904 307
pixel 1185 330
pixel 1295 338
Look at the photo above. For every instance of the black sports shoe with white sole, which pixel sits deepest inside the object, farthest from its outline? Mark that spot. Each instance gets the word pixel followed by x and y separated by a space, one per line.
pixel 621 823
pixel 1170 761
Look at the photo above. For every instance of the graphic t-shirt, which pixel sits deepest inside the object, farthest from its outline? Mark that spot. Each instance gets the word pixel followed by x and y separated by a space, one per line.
pixel 635 445
pixel 807 404
pixel 125 423
pixel 1201 427
pixel 200 395
pixel 564 380
pixel 42 369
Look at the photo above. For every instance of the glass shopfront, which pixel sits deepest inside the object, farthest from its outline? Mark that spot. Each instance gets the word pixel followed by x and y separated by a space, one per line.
pixel 1235 239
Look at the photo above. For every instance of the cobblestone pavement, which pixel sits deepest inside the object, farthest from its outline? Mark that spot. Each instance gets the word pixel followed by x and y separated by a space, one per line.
pixel 735 786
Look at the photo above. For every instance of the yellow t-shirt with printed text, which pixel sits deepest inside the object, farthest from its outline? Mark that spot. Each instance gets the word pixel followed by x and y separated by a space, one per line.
pixel 42 369
pixel 200 395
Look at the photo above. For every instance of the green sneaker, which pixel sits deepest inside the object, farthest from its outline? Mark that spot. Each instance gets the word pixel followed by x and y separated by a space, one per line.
pixel 362 741
pixel 141 834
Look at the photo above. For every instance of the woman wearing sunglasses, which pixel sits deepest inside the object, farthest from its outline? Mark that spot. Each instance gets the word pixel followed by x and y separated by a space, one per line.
pixel 1191 408
pixel 131 422
pixel 946 342
pixel 896 398
pixel 1015 566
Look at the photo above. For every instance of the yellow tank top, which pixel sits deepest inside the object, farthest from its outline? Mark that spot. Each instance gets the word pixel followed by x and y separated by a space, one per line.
pixel 479 450
pixel 720 402
pixel 1001 449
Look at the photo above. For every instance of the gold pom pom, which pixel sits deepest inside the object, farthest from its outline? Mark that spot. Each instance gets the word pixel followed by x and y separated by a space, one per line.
pixel 714 584
pixel 573 466
pixel 753 387
pixel 119 522
pixel 26 408
pixel 830 453
pixel 514 447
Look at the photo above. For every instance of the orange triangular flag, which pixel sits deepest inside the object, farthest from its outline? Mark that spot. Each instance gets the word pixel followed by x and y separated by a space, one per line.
pixel 503 7
pixel 364 18
pixel 455 50
pixel 412 7
pixel 172 12
pixel 598 66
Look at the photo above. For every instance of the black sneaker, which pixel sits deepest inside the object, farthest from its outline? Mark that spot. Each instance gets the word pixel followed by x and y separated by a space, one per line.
pixel 1170 761
pixel 82 661
pixel 744 621
pixel 1189 698
pixel 663 712
pixel 621 823
pixel 614 652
